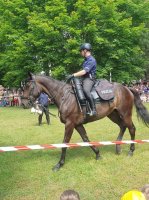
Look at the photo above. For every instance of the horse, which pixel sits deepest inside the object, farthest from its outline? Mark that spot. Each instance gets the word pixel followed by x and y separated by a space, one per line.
pixel 118 111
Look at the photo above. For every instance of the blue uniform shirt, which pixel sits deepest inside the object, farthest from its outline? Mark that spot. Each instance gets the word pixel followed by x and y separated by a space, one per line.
pixel 43 99
pixel 89 65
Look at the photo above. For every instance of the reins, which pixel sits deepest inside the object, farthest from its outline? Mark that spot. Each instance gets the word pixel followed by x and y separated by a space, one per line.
pixel 53 97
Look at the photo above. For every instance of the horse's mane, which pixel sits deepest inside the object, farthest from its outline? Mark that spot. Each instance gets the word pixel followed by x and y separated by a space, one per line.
pixel 50 78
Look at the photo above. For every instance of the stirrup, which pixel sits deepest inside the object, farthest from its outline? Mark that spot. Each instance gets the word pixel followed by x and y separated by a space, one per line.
pixel 92 113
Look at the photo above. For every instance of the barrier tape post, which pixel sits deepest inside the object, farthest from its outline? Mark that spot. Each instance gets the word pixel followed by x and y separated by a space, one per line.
pixel 69 145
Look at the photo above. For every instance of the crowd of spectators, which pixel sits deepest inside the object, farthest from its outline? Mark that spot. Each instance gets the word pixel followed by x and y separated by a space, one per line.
pixel 142 87
pixel 10 97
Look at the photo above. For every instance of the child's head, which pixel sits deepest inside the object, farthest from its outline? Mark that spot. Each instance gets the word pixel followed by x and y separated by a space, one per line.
pixel 69 195
pixel 145 191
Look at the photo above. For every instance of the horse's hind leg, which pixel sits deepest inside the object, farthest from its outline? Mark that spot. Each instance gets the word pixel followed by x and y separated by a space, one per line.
pixel 81 130
pixel 132 131
pixel 127 118
pixel 119 138
pixel 115 117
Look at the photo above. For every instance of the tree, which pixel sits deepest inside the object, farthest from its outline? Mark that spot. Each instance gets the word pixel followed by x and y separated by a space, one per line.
pixel 46 35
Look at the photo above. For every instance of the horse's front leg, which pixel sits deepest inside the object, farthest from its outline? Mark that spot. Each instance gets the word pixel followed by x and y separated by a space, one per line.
pixel 67 136
pixel 81 130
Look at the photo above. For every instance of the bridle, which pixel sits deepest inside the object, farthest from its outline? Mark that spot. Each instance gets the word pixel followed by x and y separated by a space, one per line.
pixel 33 85
pixel 31 97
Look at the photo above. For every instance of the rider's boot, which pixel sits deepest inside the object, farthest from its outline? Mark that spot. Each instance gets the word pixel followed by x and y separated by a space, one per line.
pixel 93 107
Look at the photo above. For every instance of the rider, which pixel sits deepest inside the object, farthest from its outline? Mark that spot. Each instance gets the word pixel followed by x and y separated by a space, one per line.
pixel 88 74
pixel 43 100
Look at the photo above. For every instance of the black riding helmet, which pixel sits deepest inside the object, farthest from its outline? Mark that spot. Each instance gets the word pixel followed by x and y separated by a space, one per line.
pixel 86 46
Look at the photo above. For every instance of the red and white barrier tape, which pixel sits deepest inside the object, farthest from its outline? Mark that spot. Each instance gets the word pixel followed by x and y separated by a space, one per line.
pixel 69 145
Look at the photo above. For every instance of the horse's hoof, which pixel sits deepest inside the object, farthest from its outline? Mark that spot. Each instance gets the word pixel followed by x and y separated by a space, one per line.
pixel 56 168
pixel 130 154
pixel 98 157
pixel 118 150
pixel 118 153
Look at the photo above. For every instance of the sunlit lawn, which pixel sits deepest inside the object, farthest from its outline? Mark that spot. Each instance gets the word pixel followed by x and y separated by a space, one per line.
pixel 27 175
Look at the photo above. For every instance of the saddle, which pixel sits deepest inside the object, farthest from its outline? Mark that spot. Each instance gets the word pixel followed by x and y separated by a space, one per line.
pixel 102 91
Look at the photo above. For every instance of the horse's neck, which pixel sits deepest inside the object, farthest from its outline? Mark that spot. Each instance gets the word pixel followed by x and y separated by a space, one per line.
pixel 55 89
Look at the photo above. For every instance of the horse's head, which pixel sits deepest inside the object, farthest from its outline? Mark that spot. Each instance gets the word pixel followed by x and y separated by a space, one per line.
pixel 31 91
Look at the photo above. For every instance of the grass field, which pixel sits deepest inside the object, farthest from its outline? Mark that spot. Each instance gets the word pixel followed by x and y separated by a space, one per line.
pixel 27 175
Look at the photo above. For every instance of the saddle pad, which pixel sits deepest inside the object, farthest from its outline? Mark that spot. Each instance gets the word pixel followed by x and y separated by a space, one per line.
pixel 105 90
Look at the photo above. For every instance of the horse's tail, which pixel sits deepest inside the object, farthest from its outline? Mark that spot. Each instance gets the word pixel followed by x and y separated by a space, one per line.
pixel 142 111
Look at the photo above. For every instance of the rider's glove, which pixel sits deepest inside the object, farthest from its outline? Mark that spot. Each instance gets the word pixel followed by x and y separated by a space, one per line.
pixel 69 78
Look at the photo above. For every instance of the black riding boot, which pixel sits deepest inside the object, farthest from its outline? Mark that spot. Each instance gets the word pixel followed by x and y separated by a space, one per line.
pixel 48 118
pixel 46 111
pixel 92 106
pixel 40 120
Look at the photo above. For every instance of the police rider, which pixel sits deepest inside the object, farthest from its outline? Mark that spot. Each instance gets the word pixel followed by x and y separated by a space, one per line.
pixel 88 74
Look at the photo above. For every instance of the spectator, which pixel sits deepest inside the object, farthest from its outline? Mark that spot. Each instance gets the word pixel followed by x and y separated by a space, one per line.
pixel 145 191
pixel 1 90
pixel 16 101
pixel 133 195
pixel 19 92
pixel 69 195
pixel 3 102
pixel 11 99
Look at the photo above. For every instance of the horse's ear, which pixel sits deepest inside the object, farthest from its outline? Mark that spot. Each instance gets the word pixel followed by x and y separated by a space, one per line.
pixel 31 76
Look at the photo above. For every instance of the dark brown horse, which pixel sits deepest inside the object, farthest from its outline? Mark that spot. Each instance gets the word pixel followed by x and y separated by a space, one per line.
pixel 118 111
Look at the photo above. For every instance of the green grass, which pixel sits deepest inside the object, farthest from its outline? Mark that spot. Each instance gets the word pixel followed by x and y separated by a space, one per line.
pixel 27 175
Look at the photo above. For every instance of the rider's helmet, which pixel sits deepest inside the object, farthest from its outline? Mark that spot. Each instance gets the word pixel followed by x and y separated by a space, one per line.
pixel 86 46
pixel 134 194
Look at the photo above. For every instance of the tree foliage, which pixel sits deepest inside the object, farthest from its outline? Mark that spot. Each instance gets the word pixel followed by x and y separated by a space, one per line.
pixel 46 35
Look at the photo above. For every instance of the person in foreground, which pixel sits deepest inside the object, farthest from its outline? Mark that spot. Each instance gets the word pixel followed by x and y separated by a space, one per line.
pixel 70 195
pixel 133 195
pixel 88 74
pixel 145 191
